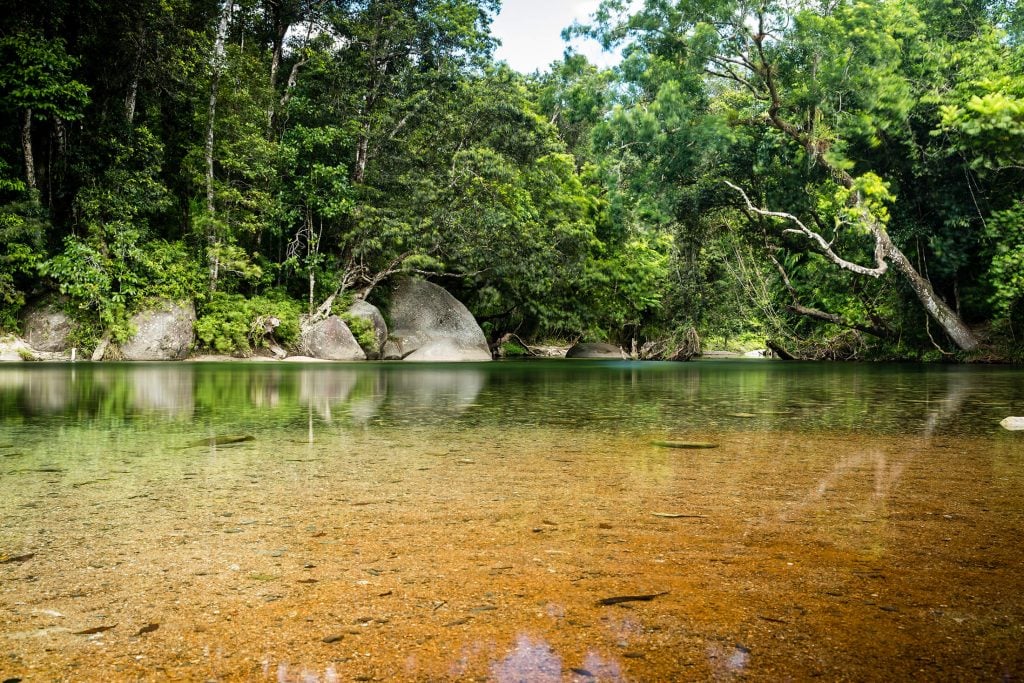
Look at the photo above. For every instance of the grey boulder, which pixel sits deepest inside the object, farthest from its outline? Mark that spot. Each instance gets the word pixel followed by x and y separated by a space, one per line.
pixel 330 339
pixel 429 324
pixel 370 313
pixel 164 332
pixel 596 351
pixel 47 328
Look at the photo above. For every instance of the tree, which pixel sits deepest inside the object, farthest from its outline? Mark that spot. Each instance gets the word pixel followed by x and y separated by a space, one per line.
pixel 824 80
pixel 36 81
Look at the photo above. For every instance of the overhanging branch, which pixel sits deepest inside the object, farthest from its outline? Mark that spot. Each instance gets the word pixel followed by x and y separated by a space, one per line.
pixel 880 268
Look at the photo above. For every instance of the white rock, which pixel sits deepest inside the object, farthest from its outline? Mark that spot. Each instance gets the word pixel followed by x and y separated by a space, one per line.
pixel 1014 424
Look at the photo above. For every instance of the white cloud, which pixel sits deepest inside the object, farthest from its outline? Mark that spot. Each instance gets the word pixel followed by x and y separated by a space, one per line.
pixel 530 32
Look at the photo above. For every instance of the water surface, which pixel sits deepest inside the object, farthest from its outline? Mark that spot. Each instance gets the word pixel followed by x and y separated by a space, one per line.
pixel 468 522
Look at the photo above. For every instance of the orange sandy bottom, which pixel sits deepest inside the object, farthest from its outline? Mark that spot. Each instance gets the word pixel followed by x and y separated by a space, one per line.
pixel 484 555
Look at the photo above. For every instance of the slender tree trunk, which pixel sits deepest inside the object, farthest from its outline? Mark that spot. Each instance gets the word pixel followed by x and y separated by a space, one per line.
pixel 885 249
pixel 362 155
pixel 130 98
pixel 217 65
pixel 280 30
pixel 938 309
pixel 133 88
pixel 26 148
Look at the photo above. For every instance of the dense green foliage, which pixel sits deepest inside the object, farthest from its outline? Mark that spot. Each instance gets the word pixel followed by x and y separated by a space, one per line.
pixel 845 178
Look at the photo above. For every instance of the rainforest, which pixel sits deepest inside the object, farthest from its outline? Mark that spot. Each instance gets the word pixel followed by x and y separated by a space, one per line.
pixel 838 179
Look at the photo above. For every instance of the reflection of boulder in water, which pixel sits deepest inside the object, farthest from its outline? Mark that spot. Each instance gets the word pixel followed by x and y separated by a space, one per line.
pixel 45 390
pixel 325 388
pixel 167 390
pixel 370 397
pixel 441 390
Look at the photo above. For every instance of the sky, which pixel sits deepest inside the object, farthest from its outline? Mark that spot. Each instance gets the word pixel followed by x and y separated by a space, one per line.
pixel 531 33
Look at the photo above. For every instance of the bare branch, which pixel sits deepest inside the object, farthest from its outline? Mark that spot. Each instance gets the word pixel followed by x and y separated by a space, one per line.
pixel 881 266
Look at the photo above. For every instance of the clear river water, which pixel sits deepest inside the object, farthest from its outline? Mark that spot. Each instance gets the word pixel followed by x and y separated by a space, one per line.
pixel 510 521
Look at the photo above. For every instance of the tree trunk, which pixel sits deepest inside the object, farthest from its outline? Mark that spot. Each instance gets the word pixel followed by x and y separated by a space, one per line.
pixel 280 31
pixel 362 154
pixel 133 87
pixel 129 100
pixel 938 309
pixel 885 249
pixel 26 147
pixel 217 65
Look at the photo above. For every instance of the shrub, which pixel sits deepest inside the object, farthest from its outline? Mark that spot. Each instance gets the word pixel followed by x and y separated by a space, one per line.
pixel 230 323
pixel 363 330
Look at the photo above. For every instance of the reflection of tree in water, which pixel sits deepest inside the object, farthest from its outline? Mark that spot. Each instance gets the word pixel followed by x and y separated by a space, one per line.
pixel 871 475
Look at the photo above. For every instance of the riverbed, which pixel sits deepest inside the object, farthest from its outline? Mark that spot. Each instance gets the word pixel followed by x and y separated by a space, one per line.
pixel 510 521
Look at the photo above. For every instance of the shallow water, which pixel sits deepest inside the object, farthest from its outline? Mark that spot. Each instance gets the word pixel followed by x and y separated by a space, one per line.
pixel 465 522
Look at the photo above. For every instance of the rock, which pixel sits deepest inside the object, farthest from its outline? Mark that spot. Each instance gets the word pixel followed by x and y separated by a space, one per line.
pixel 1014 424
pixel 164 332
pixel 330 339
pixel 15 349
pixel 369 312
pixel 47 328
pixel 429 324
pixel 596 351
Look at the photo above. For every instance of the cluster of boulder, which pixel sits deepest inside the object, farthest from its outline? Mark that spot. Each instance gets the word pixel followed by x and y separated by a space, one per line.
pixel 426 324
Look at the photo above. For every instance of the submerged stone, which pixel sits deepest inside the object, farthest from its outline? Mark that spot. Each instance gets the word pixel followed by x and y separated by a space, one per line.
pixel 1014 424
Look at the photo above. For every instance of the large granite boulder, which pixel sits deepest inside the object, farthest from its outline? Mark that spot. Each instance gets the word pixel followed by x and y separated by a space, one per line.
pixel 596 351
pixel 164 332
pixel 330 339
pixel 47 328
pixel 371 314
pixel 429 324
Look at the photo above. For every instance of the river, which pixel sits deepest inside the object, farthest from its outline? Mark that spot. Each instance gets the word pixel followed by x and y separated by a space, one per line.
pixel 510 521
